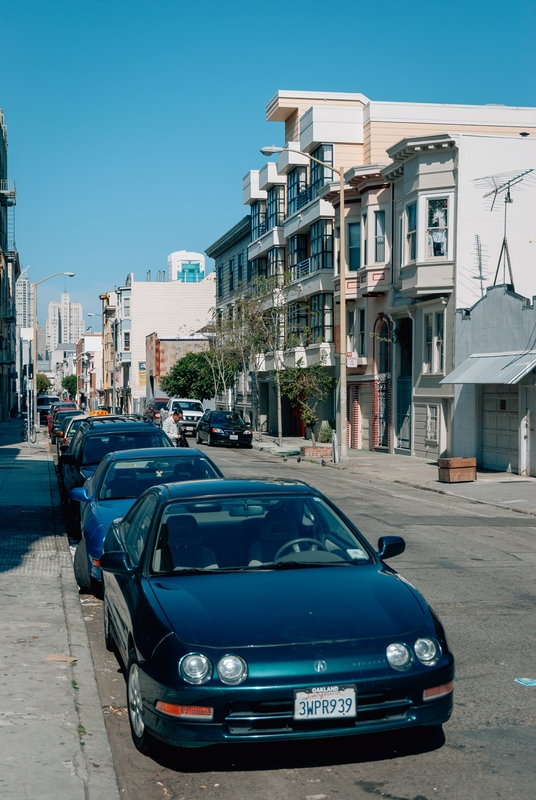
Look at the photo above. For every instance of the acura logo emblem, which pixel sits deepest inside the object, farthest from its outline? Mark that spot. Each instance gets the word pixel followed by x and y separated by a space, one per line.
pixel 320 666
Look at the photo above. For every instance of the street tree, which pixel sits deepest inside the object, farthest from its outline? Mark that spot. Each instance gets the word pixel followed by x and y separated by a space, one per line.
pixel 305 388
pixel 42 382
pixel 191 376
pixel 70 384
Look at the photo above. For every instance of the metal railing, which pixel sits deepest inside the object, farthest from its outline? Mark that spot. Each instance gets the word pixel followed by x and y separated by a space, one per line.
pixel 302 269
pixel 304 197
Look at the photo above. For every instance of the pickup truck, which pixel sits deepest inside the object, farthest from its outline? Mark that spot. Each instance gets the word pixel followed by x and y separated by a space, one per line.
pixel 192 410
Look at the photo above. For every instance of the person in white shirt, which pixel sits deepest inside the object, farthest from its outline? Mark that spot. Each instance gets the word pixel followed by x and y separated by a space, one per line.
pixel 174 429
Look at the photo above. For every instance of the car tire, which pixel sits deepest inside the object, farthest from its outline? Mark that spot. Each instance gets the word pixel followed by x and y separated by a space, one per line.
pixel 81 568
pixel 198 439
pixel 109 641
pixel 210 441
pixel 140 735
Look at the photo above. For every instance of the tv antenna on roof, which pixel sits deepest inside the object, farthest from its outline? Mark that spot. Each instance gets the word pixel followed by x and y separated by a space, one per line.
pixel 503 183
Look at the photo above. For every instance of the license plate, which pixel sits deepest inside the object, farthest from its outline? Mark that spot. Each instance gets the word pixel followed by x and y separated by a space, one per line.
pixel 325 702
pixel 188 428
pixel 233 436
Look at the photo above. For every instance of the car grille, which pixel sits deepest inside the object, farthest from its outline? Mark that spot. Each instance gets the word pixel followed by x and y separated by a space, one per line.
pixel 189 418
pixel 272 717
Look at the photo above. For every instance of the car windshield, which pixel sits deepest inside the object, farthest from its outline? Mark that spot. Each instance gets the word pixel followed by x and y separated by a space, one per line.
pixel 253 533
pixel 188 405
pixel 131 478
pixel 226 418
pixel 96 447
pixel 160 404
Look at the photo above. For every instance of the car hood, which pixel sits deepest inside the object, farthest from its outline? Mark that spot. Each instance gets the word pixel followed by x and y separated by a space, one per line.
pixel 288 607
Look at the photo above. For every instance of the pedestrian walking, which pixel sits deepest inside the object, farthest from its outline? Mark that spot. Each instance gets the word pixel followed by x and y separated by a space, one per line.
pixel 174 429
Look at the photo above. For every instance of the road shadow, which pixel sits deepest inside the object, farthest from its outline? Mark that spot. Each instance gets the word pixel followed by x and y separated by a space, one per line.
pixel 356 749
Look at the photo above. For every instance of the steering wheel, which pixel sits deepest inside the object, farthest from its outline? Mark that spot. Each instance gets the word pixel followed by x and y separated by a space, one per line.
pixel 295 545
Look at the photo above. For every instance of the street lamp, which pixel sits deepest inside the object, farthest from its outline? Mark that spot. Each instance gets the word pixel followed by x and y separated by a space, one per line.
pixel 340 419
pixel 35 284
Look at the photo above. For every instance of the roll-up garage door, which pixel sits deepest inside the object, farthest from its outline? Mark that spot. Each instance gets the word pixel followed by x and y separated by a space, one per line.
pixel 500 427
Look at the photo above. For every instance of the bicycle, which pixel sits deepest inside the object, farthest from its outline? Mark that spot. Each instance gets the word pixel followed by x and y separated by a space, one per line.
pixel 24 432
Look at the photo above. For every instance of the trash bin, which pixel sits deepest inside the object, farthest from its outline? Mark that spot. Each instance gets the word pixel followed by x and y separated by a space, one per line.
pixel 457 470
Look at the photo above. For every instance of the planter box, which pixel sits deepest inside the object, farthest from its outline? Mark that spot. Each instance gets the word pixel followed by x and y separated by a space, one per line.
pixel 456 470
pixel 322 451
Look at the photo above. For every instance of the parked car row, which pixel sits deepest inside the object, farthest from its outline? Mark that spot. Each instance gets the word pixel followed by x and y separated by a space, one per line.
pixel 244 610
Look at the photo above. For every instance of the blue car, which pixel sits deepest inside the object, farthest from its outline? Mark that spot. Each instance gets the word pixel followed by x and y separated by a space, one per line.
pixel 255 611
pixel 113 488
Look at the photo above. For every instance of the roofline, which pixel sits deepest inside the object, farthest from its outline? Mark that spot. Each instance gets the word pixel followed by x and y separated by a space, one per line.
pixel 233 235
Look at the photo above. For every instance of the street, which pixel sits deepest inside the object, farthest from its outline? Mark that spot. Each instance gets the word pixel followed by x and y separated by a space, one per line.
pixel 475 566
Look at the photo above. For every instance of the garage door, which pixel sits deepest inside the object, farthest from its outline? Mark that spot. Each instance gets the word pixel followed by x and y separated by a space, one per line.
pixel 365 417
pixel 500 428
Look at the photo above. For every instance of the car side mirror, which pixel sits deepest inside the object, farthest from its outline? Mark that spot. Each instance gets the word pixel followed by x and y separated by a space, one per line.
pixel 390 546
pixel 69 459
pixel 117 562
pixel 79 494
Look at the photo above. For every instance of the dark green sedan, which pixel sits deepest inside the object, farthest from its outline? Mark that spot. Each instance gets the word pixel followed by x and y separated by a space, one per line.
pixel 256 611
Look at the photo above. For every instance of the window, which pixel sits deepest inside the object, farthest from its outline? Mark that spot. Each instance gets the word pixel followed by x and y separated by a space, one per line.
pixel 258 219
pixel 321 318
pixel 433 356
pixel 379 236
pixel 258 267
pixel 354 246
pixel 220 281
pixel 249 271
pixel 322 245
pixel 276 207
pixel 126 306
pixel 411 218
pixel 362 339
pixel 320 175
pixel 296 254
pixel 297 324
pixel 275 261
pixel 437 228
pixel 400 248
pixel 138 528
pixel 350 330
pixel 432 420
pixel 126 340
pixel 365 240
pixel 296 183
pixel 231 275
pixel 239 268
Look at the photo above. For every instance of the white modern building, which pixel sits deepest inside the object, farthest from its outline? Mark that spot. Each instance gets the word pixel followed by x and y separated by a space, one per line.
pixel 171 309
pixel 65 322
pixel 185 266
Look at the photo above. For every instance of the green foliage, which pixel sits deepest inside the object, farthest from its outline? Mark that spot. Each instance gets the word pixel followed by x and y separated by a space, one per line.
pixel 70 384
pixel 325 433
pixel 305 387
pixel 43 383
pixel 191 376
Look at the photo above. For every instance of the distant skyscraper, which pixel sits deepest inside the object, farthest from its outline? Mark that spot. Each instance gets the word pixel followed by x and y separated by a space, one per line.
pixel 65 323
pixel 23 301
pixel 186 267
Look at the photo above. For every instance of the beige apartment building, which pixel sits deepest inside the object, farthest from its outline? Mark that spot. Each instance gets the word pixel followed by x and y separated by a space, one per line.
pixel 392 153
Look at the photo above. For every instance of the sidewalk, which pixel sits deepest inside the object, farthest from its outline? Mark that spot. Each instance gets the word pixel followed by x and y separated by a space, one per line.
pixel 53 742
pixel 500 489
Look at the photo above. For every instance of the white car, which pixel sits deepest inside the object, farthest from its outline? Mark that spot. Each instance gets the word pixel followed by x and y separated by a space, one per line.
pixel 192 412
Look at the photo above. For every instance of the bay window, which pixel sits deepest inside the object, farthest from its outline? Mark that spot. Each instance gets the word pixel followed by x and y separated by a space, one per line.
pixel 321 318
pixel 321 245
pixel 296 183
pixel 379 236
pixel 411 228
pixel 354 246
pixel 321 175
pixel 258 219
pixel 276 206
pixel 437 228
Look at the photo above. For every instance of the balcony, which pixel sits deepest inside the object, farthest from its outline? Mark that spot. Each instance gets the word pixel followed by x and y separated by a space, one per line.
pixel 421 279
pixel 266 241
pixel 269 176
pixel 311 210
pixel 302 269
pixel 8 193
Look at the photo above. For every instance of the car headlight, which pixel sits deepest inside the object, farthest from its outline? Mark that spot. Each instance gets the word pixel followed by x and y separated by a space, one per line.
pixel 216 430
pixel 247 432
pixel 427 651
pixel 232 670
pixel 399 656
pixel 195 668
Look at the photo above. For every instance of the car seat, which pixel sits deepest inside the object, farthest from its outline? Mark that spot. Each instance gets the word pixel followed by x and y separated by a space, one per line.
pixel 277 527
pixel 181 545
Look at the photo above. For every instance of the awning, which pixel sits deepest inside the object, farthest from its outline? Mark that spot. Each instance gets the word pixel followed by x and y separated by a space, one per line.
pixel 504 368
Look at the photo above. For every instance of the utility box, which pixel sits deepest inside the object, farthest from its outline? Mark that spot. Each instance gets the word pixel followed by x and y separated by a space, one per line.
pixel 457 470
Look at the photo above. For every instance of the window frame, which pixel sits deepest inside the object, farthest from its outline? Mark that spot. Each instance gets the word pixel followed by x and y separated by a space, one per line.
pixel 431 228
pixel 296 183
pixel 362 327
pixel 354 250
pixel 321 175
pixel 321 238
pixel 258 219
pixel 321 318
pixel 379 238
pixel 432 416
pixel 411 233
pixel 275 209
pixel 433 354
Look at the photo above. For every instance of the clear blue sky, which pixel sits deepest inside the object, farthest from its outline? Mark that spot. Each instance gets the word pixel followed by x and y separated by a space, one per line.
pixel 132 122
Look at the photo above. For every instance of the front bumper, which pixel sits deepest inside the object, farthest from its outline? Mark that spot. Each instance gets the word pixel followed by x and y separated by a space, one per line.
pixel 225 438
pixel 262 714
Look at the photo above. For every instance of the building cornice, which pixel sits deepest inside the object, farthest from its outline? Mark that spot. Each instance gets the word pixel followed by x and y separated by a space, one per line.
pixel 234 235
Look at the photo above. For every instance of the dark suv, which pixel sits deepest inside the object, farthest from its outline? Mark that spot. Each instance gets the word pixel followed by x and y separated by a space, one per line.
pixel 98 436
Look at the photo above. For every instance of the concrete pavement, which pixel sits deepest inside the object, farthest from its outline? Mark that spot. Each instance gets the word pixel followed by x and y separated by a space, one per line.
pixel 53 741
pixel 500 489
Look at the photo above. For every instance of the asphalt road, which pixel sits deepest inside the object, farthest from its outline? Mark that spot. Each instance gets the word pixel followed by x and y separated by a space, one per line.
pixel 476 565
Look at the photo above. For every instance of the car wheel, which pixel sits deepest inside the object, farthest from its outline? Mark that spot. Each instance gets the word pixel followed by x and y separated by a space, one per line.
pixel 210 441
pixel 108 635
pixel 140 736
pixel 198 439
pixel 81 569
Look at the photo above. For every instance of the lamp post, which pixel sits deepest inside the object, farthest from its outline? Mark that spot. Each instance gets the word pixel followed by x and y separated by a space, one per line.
pixel 340 414
pixel 35 284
